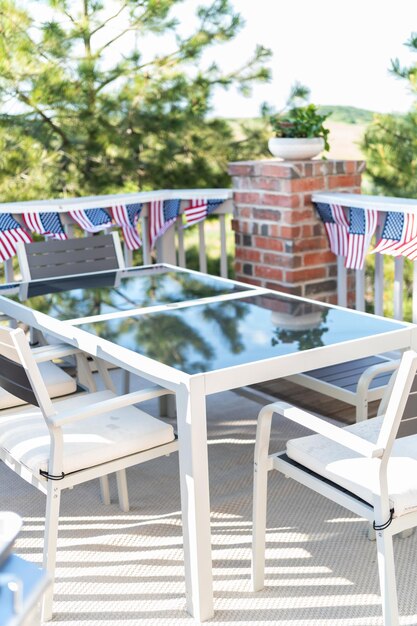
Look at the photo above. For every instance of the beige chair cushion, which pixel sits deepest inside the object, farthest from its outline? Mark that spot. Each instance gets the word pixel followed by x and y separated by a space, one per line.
pixel 357 474
pixel 87 442
pixel 58 383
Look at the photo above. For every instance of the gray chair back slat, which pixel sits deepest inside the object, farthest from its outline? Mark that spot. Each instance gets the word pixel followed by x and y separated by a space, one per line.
pixel 408 424
pixel 13 378
pixel 53 258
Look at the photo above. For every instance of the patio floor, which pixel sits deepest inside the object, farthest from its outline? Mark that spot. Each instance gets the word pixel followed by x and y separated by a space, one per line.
pixel 127 569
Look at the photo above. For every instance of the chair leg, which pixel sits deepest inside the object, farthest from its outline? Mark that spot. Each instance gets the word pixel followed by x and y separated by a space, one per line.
pixel 386 568
pixel 260 484
pixel 105 490
pixel 53 499
pixel 122 490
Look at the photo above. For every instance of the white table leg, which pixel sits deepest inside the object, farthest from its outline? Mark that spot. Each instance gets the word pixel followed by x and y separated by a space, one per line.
pixel 195 498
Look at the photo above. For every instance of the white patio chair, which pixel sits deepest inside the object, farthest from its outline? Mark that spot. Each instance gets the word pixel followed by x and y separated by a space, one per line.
pixel 357 382
pixel 57 445
pixel 61 258
pixel 369 467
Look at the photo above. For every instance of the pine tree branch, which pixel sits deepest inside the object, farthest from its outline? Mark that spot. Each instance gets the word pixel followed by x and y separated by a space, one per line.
pixel 24 98
pixel 109 19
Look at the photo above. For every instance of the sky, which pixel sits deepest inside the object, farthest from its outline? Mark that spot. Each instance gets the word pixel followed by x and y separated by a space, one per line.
pixel 340 50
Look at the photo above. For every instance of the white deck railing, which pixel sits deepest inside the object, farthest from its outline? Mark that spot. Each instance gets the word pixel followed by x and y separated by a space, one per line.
pixel 170 247
pixel 375 292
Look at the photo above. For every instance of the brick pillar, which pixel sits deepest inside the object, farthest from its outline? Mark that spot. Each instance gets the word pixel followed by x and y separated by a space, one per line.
pixel 280 242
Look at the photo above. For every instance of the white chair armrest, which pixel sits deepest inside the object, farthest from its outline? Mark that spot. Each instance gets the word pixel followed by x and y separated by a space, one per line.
pixel 53 351
pixel 320 426
pixel 373 371
pixel 104 406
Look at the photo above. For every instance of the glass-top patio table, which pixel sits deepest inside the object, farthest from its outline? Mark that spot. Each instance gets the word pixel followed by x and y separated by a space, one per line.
pixel 197 335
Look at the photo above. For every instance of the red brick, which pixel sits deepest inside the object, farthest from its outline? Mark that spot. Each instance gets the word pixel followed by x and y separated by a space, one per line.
pixel 241 168
pixel 289 232
pixel 275 169
pixel 248 254
pixel 294 290
pixel 267 243
pixel 249 280
pixel 343 180
pixel 270 215
pixel 306 184
pixel 245 212
pixel 318 258
pixel 247 197
pixel 281 260
pixel 280 200
pixel 295 217
pixel 262 271
pixel 312 243
pixel 323 168
pixel 305 274
pixel 267 183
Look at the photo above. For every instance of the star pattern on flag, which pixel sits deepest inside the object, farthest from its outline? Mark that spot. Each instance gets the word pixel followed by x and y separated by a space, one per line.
pixel 198 209
pixel 45 223
pixel 392 233
pixel 91 220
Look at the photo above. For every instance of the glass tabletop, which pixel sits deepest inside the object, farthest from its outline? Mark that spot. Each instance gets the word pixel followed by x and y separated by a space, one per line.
pixel 208 337
pixel 106 292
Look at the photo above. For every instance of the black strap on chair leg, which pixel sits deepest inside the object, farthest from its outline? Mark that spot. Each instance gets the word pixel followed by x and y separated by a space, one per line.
pixel 386 524
pixel 51 476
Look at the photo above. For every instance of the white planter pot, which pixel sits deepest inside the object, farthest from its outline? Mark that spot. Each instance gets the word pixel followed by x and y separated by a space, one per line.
pixel 295 148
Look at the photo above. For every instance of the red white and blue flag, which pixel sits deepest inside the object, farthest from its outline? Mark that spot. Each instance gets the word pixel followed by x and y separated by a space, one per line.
pixel 11 233
pixel 127 217
pixel 393 234
pixel 47 224
pixel 198 210
pixel 336 226
pixel 362 225
pixel 162 215
pixel 408 244
pixel 91 220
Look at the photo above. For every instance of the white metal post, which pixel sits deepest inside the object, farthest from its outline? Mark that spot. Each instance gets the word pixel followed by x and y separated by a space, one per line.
pixel 195 498
pixel 165 247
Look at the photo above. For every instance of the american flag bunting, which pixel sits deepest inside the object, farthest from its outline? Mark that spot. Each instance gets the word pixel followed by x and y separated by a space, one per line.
pixel 198 210
pixel 393 233
pixel 162 215
pixel 127 217
pixel 362 225
pixel 408 244
pixel 91 220
pixel 336 226
pixel 47 224
pixel 11 233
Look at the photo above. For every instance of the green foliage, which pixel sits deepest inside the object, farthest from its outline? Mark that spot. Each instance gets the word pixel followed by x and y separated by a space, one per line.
pixel 87 108
pixel 390 142
pixel 296 120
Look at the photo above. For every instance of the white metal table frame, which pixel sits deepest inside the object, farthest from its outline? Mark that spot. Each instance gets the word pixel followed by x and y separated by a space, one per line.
pixel 191 391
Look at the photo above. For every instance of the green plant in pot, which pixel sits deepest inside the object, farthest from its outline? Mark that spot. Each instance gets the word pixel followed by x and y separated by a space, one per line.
pixel 299 130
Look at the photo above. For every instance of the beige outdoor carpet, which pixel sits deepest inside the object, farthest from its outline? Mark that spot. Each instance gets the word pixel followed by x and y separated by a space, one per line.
pixel 120 569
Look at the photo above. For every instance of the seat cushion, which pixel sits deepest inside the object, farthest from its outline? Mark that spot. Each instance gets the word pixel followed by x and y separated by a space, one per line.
pixel 87 442
pixel 357 474
pixel 58 383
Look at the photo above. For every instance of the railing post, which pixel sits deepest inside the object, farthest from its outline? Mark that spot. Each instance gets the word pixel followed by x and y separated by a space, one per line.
pixel 280 242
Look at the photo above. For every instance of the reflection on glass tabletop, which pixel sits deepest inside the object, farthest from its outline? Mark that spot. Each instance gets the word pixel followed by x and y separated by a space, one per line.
pixel 207 337
pixel 106 292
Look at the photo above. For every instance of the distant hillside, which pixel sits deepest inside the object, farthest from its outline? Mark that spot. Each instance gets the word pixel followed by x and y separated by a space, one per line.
pixel 347 115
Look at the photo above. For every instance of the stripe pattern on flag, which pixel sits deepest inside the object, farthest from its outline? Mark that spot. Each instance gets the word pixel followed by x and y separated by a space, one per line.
pixel 198 210
pixel 162 215
pixel 11 233
pixel 47 224
pixel 336 226
pixel 91 220
pixel 362 225
pixel 127 217
pixel 393 233
pixel 408 244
